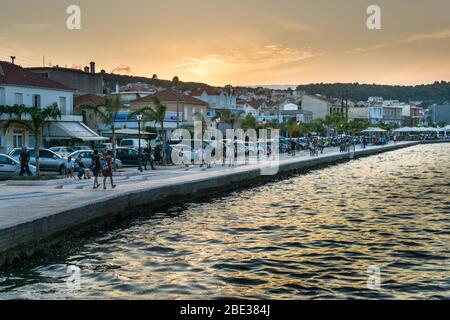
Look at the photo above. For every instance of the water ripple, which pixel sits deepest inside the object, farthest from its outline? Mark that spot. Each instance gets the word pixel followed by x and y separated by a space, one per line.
pixel 312 236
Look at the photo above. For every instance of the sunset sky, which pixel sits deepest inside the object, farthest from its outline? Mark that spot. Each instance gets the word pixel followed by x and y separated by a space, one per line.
pixel 238 42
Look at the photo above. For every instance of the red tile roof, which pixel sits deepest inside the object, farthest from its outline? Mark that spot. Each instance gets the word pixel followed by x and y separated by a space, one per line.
pixel 89 99
pixel 16 75
pixel 170 95
pixel 253 103
pixel 210 91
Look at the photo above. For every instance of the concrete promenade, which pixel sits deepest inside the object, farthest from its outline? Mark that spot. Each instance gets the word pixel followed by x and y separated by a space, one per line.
pixel 30 216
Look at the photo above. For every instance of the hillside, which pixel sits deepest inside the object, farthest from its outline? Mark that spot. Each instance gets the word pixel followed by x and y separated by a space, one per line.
pixel 438 92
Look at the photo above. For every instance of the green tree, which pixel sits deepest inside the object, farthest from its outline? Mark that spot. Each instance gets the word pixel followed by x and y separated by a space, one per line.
pixel 108 114
pixel 334 121
pixel 318 126
pixel 33 119
pixel 229 117
pixel 293 129
pixel 158 115
pixel 249 122
pixel 356 126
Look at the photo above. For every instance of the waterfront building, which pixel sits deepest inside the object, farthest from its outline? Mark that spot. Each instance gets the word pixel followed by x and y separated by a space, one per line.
pixel 251 106
pixel 392 114
pixel 20 86
pixel 88 117
pixel 186 105
pixel 440 114
pixel 217 99
pixel 358 113
pixel 286 113
pixel 83 82
pixel 321 106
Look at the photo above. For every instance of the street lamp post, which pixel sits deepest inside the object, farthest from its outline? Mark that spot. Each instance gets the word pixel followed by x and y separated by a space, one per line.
pixel 139 119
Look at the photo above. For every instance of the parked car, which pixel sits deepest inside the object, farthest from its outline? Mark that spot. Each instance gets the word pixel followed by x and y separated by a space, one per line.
pixel 129 156
pixel 86 158
pixel 10 167
pixel 77 148
pixel 62 151
pixel 187 151
pixel 48 160
pixel 134 143
pixel 103 147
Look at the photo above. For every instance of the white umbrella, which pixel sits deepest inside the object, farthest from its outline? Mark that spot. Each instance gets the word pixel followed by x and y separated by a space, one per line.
pixel 404 129
pixel 373 130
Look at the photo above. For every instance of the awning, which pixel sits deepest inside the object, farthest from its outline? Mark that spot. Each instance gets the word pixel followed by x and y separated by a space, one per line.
pixel 374 130
pixel 71 130
pixel 129 133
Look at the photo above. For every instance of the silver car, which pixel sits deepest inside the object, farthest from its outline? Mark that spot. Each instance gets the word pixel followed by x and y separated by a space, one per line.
pixel 48 160
pixel 86 158
pixel 10 167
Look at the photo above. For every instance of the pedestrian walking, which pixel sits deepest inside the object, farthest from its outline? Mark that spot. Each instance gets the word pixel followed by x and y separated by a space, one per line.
pixel 158 153
pixel 96 168
pixel 24 160
pixel 293 147
pixel 70 167
pixel 230 154
pixel 311 147
pixel 108 170
pixel 322 145
pixel 148 158
pixel 364 140
pixel 168 153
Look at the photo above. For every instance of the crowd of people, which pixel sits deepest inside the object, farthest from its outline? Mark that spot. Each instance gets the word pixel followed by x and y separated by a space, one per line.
pixel 75 168
pixel 162 155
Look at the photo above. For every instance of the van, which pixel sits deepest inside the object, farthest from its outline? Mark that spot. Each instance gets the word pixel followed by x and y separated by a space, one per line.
pixel 134 143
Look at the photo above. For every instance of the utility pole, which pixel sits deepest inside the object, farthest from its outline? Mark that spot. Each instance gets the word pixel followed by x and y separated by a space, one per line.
pixel 178 110
pixel 12 59
pixel 346 110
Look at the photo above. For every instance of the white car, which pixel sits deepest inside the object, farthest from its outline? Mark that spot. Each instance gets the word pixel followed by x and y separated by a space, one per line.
pixel 62 151
pixel 86 158
pixel 134 143
pixel 10 167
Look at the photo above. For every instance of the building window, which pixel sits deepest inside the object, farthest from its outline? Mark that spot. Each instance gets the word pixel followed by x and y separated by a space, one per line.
pixel 31 141
pixel 36 101
pixel 186 113
pixel 18 99
pixel 1 141
pixel 18 139
pixel 194 111
pixel 62 105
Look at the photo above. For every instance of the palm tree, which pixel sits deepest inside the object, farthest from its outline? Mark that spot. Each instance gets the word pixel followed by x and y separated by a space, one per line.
pixel 317 126
pixel 33 119
pixel 158 114
pixel 249 122
pixel 334 121
pixel 293 129
pixel 108 114
pixel 229 117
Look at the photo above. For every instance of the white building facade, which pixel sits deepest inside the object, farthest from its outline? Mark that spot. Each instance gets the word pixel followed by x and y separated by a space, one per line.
pixel 19 86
